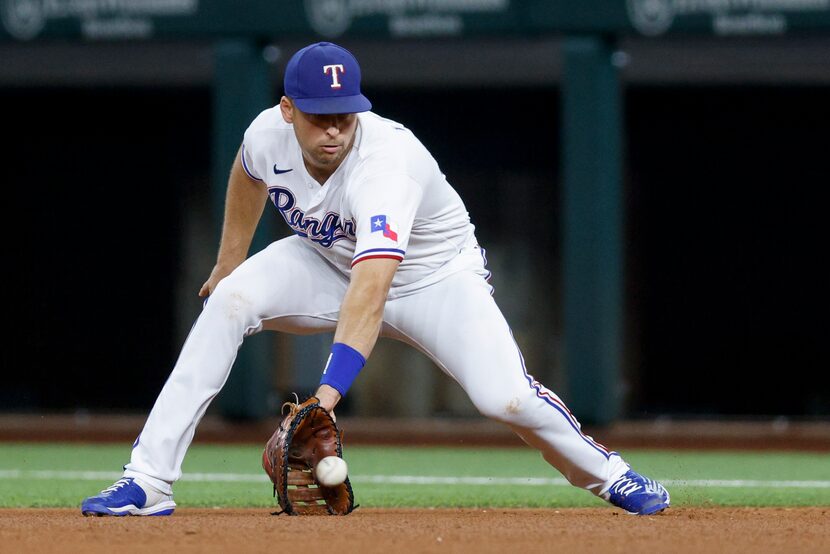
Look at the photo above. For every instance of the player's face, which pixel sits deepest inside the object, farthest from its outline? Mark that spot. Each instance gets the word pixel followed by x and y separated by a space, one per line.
pixel 324 139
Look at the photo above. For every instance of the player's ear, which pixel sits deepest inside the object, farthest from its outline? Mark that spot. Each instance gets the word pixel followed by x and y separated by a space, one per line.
pixel 287 109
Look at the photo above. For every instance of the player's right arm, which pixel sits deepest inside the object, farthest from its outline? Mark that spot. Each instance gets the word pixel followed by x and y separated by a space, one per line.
pixel 244 204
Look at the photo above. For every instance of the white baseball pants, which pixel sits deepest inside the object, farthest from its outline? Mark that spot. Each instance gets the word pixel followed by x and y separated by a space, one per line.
pixel 289 287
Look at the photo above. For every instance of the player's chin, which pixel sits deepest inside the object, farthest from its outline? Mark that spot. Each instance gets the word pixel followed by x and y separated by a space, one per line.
pixel 327 158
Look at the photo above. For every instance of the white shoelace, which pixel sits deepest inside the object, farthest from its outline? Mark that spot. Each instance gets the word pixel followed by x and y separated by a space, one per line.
pixel 626 486
pixel 115 486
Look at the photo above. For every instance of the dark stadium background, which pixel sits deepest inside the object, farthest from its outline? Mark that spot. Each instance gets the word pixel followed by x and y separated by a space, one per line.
pixel 725 246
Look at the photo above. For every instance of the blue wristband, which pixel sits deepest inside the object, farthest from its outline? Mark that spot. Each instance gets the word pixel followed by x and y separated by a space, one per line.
pixel 342 368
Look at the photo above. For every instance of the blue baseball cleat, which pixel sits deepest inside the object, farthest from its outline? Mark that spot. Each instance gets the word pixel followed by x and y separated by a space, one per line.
pixel 637 495
pixel 127 498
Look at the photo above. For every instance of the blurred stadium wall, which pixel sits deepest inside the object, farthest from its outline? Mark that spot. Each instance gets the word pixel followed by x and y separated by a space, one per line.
pixel 110 127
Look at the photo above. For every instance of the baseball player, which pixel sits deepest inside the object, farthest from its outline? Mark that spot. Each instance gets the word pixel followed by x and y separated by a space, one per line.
pixel 382 246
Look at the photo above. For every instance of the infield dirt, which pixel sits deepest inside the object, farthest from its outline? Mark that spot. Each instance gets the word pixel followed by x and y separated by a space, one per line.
pixel 678 530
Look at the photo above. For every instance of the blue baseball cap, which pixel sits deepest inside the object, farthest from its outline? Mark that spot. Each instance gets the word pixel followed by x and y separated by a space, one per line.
pixel 324 78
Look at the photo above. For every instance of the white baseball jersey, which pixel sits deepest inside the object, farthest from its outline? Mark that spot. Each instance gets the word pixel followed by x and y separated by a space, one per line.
pixel 388 199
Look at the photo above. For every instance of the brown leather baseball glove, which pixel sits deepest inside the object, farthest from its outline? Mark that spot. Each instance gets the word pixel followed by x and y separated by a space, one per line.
pixel 306 435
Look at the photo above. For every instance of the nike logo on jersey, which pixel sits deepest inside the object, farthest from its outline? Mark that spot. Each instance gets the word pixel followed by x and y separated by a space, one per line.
pixel 324 232
pixel 278 171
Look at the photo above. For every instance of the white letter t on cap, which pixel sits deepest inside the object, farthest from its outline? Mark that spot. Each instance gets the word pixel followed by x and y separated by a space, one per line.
pixel 335 81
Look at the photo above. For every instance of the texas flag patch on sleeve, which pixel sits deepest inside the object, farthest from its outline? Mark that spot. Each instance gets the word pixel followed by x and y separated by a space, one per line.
pixel 380 223
pixel 375 243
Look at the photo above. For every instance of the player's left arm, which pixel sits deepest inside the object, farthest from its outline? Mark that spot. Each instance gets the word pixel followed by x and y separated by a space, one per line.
pixel 358 326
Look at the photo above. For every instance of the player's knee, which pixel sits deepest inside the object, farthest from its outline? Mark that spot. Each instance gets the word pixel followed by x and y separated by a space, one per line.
pixel 516 407
pixel 499 408
pixel 231 303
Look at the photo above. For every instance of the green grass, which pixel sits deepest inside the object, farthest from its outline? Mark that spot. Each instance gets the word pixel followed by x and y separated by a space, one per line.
pixel 683 470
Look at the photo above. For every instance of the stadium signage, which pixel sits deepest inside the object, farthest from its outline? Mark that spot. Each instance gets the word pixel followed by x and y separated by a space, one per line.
pixel 99 19
pixel 266 19
pixel 332 18
pixel 724 17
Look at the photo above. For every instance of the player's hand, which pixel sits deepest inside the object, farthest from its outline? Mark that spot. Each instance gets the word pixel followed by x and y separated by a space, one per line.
pixel 219 272
pixel 328 397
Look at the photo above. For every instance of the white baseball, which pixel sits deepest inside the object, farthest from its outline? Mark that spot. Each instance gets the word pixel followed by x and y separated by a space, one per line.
pixel 331 471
